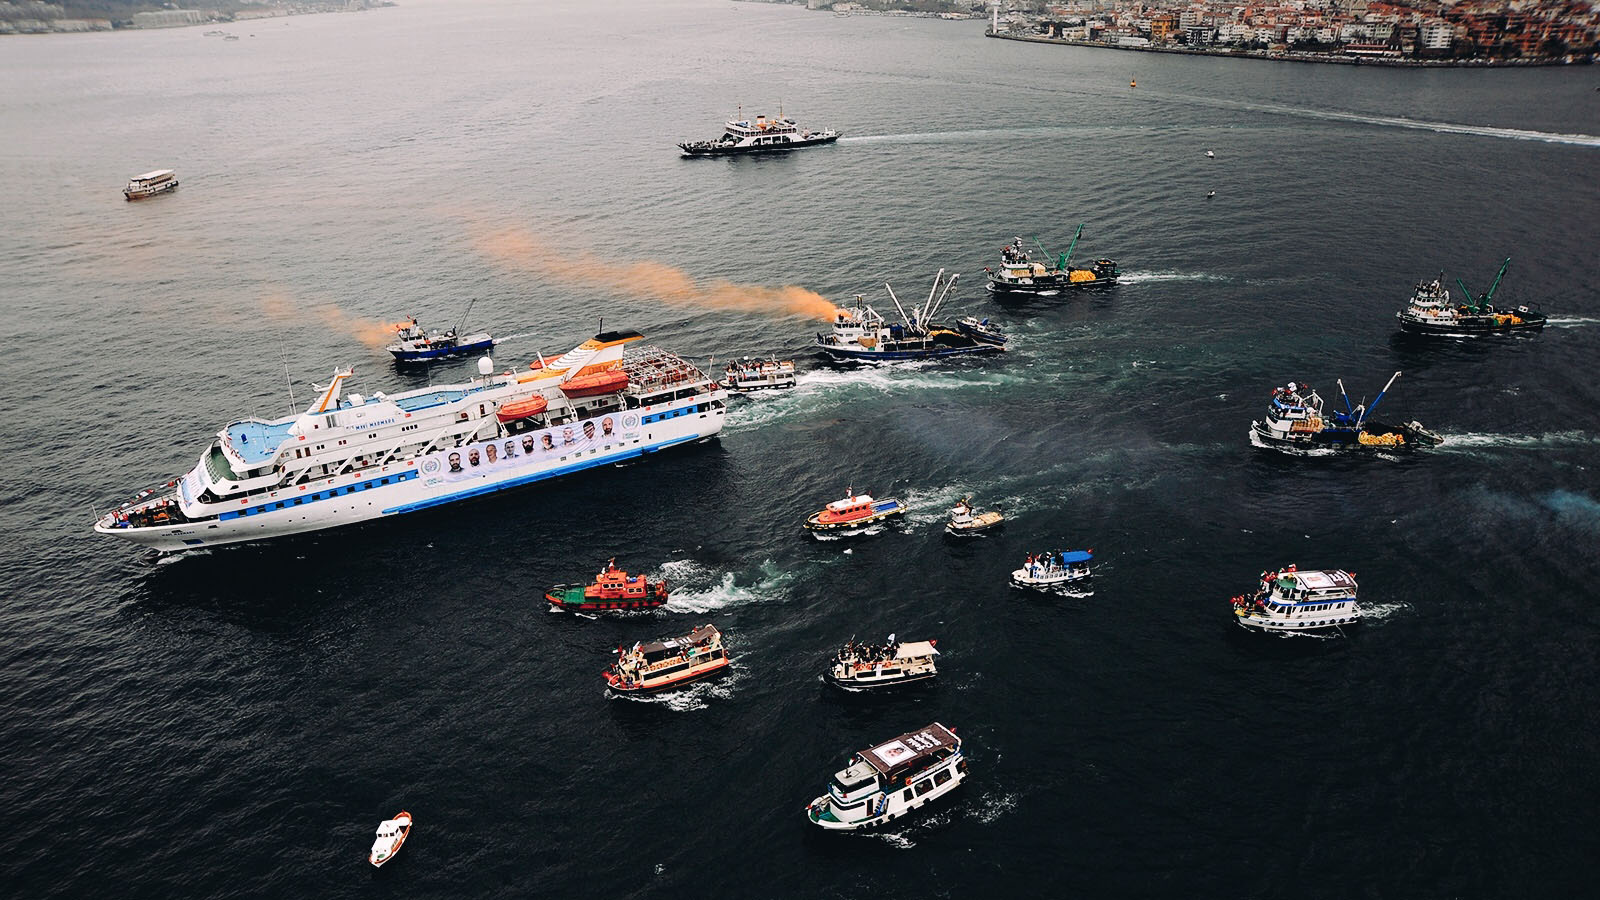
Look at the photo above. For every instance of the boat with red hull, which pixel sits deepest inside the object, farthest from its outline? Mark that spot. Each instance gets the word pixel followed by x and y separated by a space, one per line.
pixel 667 664
pixel 613 588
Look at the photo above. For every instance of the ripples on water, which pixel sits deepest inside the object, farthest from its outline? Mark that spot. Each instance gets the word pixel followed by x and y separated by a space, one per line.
pixel 238 721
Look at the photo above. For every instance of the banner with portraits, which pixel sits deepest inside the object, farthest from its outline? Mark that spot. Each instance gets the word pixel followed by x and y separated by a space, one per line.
pixel 531 450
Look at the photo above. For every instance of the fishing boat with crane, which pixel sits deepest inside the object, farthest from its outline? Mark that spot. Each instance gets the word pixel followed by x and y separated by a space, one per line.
pixel 1432 313
pixel 1297 423
pixel 415 344
pixel 1020 274
pixel 861 333
pixel 351 458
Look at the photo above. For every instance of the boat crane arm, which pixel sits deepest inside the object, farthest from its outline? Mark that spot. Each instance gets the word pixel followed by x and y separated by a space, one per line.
pixel 1067 257
pixel 1472 299
pixel 948 286
pixel 1496 286
pixel 461 321
pixel 903 317
pixel 1378 399
pixel 1345 395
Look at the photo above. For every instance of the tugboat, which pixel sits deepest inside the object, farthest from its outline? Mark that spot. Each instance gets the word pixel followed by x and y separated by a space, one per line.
pixel 150 184
pixel 1054 571
pixel 612 589
pixel 414 344
pixel 859 667
pixel 854 512
pixel 669 663
pixel 1020 274
pixel 1291 601
pixel 861 333
pixel 964 521
pixel 763 375
pixel 1295 424
pixel 890 780
pixel 391 834
pixel 764 135
pixel 1430 312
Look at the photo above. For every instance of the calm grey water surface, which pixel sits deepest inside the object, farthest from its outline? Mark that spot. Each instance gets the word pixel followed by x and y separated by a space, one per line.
pixel 235 722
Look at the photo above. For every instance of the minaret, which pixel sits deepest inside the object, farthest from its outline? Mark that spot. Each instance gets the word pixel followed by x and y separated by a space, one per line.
pixel 994 18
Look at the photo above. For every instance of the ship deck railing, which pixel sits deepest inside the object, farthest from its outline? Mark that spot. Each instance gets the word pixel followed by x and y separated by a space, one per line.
pixel 254 440
pixel 652 367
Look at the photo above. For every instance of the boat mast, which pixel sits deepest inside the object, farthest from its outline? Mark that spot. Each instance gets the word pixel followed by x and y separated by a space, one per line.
pixel 463 319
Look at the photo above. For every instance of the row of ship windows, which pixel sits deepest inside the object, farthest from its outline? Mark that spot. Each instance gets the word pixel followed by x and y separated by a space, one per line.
pixel 671 414
pixel 320 495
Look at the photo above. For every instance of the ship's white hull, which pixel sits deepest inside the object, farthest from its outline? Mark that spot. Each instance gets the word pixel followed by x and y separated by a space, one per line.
pixel 410 486
pixel 886 808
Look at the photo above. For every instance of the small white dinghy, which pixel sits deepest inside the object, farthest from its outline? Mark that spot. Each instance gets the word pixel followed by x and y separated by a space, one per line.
pixel 391 834
pixel 1054 571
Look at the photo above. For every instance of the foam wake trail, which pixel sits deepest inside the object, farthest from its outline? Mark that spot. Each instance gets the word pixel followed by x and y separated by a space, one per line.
pixel 1472 441
pixel 695 588
pixel 1329 115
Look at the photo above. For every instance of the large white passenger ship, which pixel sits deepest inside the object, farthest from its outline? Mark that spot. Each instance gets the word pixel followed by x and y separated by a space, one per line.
pixel 350 458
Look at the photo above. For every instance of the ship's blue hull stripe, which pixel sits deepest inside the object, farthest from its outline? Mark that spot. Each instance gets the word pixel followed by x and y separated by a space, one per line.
pixel 910 354
pixel 314 496
pixel 537 476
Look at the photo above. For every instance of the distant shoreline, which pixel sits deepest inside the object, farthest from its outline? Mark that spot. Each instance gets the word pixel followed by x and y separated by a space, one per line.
pixel 1299 57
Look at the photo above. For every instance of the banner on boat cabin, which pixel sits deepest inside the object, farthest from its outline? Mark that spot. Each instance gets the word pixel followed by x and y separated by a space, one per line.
pixel 532 450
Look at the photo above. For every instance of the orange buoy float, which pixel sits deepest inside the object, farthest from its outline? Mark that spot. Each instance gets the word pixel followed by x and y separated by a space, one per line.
pixel 521 409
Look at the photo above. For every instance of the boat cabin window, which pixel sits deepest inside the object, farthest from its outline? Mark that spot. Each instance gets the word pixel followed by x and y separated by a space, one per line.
pixel 924 786
pixel 941 776
pixel 906 796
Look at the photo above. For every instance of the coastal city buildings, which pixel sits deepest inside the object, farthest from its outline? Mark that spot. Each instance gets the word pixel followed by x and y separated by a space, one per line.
pixel 1460 31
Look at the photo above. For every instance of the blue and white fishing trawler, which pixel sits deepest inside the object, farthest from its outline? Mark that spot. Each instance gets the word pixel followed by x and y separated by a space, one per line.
pixel 415 344
pixel 1295 423
pixel 860 333
pixel 349 458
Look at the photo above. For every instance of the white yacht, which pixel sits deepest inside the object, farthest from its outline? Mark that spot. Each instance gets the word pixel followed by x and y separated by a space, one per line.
pixel 392 833
pixel 748 376
pixel 1293 601
pixel 890 780
pixel 858 667
pixel 349 458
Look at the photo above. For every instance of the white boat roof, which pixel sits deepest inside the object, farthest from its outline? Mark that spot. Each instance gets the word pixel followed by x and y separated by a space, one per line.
pixel 159 173
pixel 914 649
pixel 1322 580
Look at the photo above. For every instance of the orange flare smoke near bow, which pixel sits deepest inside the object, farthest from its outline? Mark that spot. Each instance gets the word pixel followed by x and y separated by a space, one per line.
pixel 373 333
pixel 646 279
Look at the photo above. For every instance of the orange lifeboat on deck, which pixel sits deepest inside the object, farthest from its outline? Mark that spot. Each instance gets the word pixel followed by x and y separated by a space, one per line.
pixel 521 409
pixel 595 383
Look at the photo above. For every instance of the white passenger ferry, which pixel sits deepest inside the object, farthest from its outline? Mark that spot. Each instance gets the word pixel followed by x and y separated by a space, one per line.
pixel 885 782
pixel 1294 601
pixel 350 458
pixel 150 184
pixel 740 135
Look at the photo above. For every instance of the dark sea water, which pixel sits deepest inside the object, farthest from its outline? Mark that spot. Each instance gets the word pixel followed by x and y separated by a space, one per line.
pixel 236 722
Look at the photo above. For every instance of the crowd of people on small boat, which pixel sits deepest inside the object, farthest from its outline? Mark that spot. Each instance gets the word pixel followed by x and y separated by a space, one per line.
pixel 1047 564
pixel 868 653
pixel 1013 252
pixel 1258 599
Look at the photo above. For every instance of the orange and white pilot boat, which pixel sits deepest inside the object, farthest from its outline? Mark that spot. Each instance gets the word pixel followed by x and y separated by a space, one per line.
pixel 391 834
pixel 612 589
pixel 855 511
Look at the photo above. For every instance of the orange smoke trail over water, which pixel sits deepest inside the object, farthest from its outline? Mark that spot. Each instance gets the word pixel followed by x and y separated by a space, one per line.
pixel 370 332
pixel 518 249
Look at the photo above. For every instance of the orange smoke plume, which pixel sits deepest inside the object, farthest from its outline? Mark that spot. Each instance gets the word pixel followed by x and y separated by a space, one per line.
pixel 371 332
pixel 515 248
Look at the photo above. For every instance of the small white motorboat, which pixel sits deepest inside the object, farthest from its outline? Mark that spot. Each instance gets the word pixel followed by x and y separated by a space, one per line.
pixel 1210 155
pixel 1054 571
pixel 391 834
pixel 964 521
